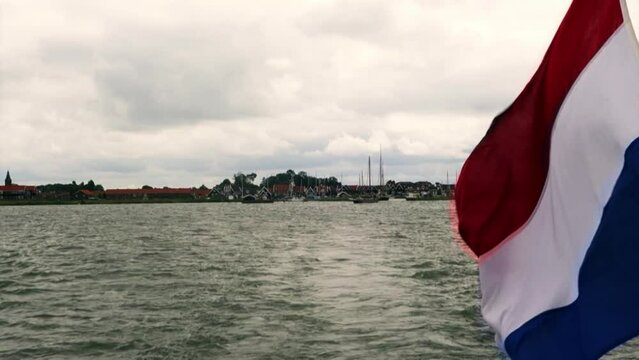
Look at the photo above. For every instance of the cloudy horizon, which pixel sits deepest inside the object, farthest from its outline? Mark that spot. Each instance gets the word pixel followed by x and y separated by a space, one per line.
pixel 169 94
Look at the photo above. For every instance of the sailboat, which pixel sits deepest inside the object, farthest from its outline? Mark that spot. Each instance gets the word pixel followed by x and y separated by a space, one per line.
pixel 382 192
pixel 367 198
pixel 292 197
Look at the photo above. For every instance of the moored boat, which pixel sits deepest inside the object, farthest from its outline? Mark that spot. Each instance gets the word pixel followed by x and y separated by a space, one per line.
pixel 250 199
pixel 365 200
pixel 418 197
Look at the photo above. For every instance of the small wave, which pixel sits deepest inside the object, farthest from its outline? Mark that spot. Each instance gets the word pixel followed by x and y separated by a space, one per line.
pixel 425 264
pixel 84 276
pixel 431 274
pixel 41 326
pixel 149 254
pixel 200 231
pixel 308 260
pixel 208 341
pixel 31 352
pixel 71 248
pixel 7 283
pixel 462 262
pixel 212 268
pixel 44 316
pixel 399 235
pixel 19 264
pixel 36 273
pixel 114 272
pixel 289 305
pixel 27 291
pixel 97 345
pixel 11 304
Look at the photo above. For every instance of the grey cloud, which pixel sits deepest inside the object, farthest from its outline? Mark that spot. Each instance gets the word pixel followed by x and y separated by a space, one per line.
pixel 69 54
pixel 345 164
pixel 471 98
pixel 196 165
pixel 156 78
pixel 281 162
pixel 351 19
pixel 115 165
pixel 201 164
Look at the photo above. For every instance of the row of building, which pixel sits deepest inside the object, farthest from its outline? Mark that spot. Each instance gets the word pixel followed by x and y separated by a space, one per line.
pixel 22 192
pixel 11 191
pixel 290 190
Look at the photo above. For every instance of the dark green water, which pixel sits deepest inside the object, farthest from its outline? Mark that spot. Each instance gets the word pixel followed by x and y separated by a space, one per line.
pixel 232 281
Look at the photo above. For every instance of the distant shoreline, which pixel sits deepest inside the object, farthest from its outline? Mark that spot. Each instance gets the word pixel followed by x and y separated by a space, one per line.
pixel 155 201
pixel 101 202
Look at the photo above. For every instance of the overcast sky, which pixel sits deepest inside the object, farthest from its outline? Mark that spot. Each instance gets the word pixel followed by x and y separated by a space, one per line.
pixel 183 93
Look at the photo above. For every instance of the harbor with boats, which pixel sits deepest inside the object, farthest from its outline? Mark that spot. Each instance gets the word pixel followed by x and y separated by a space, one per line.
pixel 288 186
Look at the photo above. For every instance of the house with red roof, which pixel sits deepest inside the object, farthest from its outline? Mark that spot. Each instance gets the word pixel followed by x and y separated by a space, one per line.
pixel 88 194
pixel 163 193
pixel 280 190
pixel 11 191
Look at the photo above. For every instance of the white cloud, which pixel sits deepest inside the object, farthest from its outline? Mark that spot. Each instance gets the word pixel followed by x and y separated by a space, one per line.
pixel 349 145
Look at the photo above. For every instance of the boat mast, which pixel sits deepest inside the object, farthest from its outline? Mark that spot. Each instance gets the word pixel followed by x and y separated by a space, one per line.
pixel 383 177
pixel 381 174
pixel 369 173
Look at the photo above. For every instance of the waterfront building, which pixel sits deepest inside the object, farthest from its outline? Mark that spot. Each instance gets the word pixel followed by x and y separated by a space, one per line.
pixel 163 193
pixel 87 194
pixel 311 193
pixel 11 191
pixel 299 190
pixel 225 192
pixel 264 194
pixel 343 195
pixel 350 189
pixel 281 190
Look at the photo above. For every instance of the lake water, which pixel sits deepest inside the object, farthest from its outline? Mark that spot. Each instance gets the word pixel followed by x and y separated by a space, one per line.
pixel 233 281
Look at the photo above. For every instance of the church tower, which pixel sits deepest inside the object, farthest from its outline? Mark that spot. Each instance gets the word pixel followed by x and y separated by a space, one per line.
pixel 7 180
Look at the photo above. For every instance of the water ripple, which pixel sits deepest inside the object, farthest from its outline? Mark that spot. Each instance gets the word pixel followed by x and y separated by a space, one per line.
pixel 201 281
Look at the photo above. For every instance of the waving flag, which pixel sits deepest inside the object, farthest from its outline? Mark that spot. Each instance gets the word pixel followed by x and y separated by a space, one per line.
pixel 549 199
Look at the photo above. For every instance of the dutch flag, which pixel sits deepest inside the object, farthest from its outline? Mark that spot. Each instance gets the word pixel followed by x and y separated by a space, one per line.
pixel 549 199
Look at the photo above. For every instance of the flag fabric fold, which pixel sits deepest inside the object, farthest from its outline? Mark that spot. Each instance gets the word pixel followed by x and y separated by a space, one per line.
pixel 549 199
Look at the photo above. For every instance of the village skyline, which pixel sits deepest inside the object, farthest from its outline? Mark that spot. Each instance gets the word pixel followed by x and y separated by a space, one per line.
pixel 300 178
pixel 286 185
pixel 128 173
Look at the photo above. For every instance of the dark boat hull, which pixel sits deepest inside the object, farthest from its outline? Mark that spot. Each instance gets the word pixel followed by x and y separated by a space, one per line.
pixel 364 201
pixel 257 201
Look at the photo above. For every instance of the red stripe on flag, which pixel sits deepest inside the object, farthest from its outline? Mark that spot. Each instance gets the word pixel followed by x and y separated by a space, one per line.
pixel 503 178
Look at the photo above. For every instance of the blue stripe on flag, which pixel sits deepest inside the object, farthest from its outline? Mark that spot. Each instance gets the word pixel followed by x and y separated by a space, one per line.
pixel 606 313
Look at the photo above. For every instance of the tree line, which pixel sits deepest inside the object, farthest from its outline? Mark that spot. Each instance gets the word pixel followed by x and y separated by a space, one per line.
pixel 302 178
pixel 71 188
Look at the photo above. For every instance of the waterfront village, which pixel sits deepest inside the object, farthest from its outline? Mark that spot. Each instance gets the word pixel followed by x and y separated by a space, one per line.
pixel 287 186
